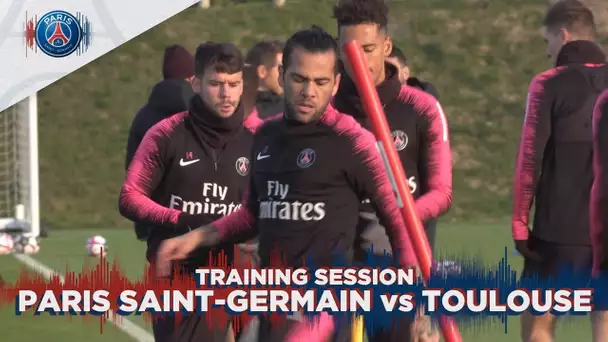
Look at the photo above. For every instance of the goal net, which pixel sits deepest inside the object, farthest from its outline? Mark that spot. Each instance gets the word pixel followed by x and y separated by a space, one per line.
pixel 19 191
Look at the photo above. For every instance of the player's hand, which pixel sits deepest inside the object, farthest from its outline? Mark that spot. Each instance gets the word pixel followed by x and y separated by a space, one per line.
pixel 523 249
pixel 249 248
pixel 423 329
pixel 177 248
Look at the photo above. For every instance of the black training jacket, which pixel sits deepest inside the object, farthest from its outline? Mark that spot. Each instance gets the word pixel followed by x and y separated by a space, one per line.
pixel 307 184
pixel 554 162
pixel 176 182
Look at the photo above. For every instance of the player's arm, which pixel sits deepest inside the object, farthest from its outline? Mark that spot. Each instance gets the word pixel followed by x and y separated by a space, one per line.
pixel 599 190
pixel 241 224
pixel 135 138
pixel 535 135
pixel 435 163
pixel 369 179
pixel 143 176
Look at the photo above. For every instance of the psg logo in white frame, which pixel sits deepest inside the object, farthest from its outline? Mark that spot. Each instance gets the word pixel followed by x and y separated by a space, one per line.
pixel 242 166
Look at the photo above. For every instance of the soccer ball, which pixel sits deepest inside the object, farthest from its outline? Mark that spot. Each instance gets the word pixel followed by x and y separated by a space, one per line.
pixel 6 244
pixel 96 246
pixel 26 244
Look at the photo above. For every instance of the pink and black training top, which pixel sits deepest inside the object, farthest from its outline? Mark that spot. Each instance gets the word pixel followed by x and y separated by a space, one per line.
pixel 190 169
pixel 307 183
pixel 420 134
pixel 554 163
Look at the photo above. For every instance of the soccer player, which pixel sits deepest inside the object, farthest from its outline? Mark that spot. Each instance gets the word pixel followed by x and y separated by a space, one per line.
pixel 191 169
pixel 170 96
pixel 599 189
pixel 266 58
pixel 416 119
pixel 311 168
pixel 599 205
pixel 249 97
pixel 554 162
pixel 397 58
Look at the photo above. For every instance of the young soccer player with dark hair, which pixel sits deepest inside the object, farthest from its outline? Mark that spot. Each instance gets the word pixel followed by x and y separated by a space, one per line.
pixel 265 59
pixel 554 162
pixel 169 96
pixel 304 202
pixel 416 119
pixel 191 169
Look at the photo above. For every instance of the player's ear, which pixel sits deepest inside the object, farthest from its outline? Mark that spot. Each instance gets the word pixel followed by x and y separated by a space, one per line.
pixel 281 76
pixel 565 35
pixel 242 86
pixel 197 84
pixel 337 85
pixel 406 72
pixel 388 46
pixel 261 72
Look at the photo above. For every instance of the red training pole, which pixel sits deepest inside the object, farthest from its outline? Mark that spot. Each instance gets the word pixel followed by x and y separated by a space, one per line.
pixel 375 112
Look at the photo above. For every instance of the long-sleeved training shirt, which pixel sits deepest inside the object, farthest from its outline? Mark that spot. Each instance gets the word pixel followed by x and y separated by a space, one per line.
pixel 307 183
pixel 554 162
pixel 174 174
pixel 168 97
pixel 599 189
pixel 420 134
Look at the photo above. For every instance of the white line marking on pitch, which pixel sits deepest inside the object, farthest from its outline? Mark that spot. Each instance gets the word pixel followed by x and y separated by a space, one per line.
pixel 125 325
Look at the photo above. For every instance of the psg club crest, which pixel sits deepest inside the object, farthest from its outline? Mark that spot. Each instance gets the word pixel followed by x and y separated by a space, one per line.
pixel 306 158
pixel 242 166
pixel 58 33
pixel 400 140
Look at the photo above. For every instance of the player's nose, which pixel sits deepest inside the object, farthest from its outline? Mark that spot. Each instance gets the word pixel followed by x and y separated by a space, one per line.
pixel 308 90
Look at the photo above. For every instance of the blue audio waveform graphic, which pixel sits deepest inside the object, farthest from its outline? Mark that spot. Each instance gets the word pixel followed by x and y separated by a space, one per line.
pixel 468 273
pixel 87 33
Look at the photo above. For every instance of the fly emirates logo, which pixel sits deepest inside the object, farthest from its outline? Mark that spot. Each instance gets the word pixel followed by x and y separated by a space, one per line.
pixel 277 208
pixel 213 203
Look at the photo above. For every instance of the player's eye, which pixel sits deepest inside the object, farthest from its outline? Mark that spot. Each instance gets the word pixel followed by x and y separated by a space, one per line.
pixel 234 84
pixel 298 79
pixel 321 82
pixel 369 49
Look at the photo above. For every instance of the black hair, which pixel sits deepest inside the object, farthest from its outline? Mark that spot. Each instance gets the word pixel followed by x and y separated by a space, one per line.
pixel 264 53
pixel 572 15
pixel 223 57
pixel 397 53
pixel 314 39
pixel 355 12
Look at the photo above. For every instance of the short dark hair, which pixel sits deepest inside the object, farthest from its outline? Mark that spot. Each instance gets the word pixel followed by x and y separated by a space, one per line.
pixel 223 57
pixel 397 53
pixel 355 12
pixel 314 39
pixel 264 53
pixel 571 15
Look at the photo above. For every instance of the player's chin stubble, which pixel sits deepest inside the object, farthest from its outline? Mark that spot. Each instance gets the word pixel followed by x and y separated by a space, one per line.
pixel 306 118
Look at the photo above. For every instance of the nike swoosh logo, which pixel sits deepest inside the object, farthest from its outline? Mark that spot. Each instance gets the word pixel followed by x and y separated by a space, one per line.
pixel 260 156
pixel 186 163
